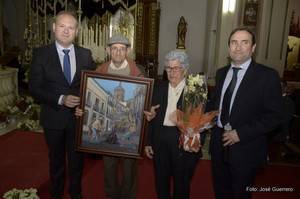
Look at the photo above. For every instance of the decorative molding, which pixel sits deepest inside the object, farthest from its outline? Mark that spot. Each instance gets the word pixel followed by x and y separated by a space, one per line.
pixel 284 29
pixel 1 29
pixel 269 30
pixel 152 35
pixel 139 29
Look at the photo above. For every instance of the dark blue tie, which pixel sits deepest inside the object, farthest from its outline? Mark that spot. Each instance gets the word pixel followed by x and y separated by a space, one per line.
pixel 227 97
pixel 67 65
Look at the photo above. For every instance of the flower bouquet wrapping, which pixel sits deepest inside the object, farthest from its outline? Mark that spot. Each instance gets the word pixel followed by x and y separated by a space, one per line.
pixel 192 119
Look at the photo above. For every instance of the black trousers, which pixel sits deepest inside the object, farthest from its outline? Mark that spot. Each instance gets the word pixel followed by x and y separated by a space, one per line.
pixel 61 143
pixel 229 181
pixel 172 162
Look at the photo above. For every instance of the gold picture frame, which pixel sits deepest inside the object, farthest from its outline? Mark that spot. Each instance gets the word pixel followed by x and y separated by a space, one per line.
pixel 113 122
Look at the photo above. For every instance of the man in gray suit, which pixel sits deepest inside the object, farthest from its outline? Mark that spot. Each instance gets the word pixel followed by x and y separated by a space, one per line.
pixel 54 81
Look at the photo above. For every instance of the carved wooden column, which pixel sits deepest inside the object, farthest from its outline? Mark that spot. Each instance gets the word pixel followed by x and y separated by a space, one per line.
pixel 1 28
pixel 147 33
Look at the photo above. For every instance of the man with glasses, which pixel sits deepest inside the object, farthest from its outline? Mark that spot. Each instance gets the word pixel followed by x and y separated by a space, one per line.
pixel 119 63
pixel 118 49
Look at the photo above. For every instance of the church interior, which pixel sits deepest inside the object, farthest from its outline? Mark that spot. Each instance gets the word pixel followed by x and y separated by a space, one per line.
pixel 154 27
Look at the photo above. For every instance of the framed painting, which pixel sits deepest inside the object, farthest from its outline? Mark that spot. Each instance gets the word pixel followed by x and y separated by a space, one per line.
pixel 113 122
pixel 251 14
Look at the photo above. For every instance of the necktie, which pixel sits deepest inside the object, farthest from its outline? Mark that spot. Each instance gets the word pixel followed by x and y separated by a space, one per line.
pixel 67 65
pixel 227 97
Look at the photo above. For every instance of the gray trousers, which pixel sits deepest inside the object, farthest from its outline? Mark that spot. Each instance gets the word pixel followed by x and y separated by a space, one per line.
pixel 120 177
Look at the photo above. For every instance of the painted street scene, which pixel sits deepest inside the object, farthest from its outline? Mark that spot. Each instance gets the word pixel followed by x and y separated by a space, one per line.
pixel 113 115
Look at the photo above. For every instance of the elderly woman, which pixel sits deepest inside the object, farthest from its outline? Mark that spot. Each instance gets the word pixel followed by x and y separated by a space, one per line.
pixel 162 144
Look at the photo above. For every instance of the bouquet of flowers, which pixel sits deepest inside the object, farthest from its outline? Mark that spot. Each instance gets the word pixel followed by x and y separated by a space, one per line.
pixel 21 194
pixel 192 119
pixel 24 112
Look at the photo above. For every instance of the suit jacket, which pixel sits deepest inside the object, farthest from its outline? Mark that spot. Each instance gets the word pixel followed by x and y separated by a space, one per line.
pixel 256 110
pixel 160 96
pixel 47 83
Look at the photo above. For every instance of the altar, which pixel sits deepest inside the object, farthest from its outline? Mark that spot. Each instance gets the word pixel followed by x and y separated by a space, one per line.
pixel 8 87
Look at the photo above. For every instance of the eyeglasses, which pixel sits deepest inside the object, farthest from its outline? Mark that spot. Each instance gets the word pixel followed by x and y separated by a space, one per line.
pixel 175 69
pixel 115 49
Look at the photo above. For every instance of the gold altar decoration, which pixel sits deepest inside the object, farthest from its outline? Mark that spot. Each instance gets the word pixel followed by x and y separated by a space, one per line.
pixel 93 32
pixel 136 19
pixel 8 87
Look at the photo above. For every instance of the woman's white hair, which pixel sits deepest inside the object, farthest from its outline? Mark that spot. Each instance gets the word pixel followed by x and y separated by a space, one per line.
pixel 178 55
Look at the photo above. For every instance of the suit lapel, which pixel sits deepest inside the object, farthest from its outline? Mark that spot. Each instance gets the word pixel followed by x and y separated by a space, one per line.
pixel 55 58
pixel 78 63
pixel 221 78
pixel 179 103
pixel 55 63
pixel 165 99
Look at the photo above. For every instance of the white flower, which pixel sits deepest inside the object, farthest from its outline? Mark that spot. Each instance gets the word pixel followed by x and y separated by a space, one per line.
pixel 21 194
pixel 195 90
pixel 29 100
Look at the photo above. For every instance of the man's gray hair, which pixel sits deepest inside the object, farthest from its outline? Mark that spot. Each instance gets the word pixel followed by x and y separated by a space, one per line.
pixel 179 55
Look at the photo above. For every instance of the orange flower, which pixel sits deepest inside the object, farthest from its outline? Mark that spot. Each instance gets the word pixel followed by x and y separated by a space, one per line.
pixel 190 123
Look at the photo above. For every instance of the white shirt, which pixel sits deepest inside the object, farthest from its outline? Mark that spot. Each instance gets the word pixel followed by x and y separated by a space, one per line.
pixel 124 65
pixel 61 55
pixel 173 97
pixel 243 68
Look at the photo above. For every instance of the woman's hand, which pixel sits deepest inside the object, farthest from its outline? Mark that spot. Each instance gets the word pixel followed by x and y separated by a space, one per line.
pixel 149 151
pixel 152 113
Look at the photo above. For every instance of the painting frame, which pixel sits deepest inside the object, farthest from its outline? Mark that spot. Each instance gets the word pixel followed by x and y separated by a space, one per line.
pixel 251 13
pixel 113 122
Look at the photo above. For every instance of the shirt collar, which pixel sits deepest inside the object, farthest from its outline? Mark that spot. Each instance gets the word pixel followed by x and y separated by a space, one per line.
pixel 60 47
pixel 113 66
pixel 243 66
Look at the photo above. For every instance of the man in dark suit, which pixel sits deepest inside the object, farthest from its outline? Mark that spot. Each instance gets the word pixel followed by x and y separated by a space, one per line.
pixel 54 81
pixel 248 97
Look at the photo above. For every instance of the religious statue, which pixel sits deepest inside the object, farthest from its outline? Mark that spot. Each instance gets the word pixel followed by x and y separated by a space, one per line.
pixel 181 31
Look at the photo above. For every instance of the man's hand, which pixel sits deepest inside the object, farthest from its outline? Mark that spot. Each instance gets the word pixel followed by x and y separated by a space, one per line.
pixel 152 113
pixel 230 138
pixel 71 101
pixel 149 151
pixel 78 112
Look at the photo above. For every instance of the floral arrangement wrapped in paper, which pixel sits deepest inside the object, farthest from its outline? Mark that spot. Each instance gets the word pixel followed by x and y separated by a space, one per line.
pixel 192 119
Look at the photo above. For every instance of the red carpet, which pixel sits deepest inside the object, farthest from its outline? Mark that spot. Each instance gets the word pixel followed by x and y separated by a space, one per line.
pixel 24 164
